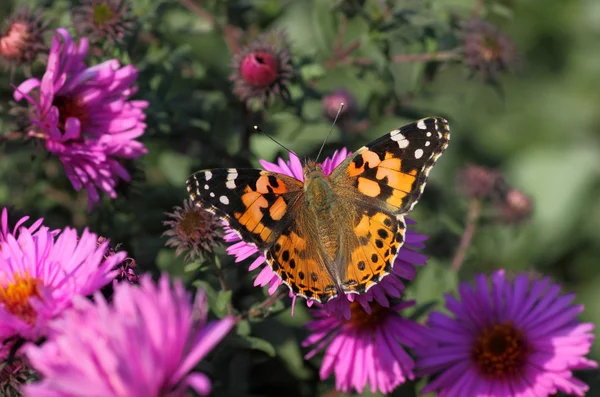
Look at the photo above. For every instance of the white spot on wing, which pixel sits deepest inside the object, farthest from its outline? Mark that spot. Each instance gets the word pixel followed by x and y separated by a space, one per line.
pixel 206 187
pixel 428 134
pixel 418 153
pixel 427 143
pixel 401 139
pixel 224 200
pixel 212 194
pixel 421 125
pixel 230 184
pixel 207 175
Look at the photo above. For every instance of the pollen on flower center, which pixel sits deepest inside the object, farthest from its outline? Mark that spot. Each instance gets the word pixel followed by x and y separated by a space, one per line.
pixel 69 107
pixel 14 297
pixel 102 14
pixel 500 350
pixel 360 318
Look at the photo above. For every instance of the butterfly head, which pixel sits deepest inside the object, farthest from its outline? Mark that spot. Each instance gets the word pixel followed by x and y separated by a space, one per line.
pixel 312 170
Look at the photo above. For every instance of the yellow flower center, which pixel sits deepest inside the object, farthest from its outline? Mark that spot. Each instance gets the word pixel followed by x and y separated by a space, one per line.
pixel 500 350
pixel 14 297
pixel 102 14
pixel 360 318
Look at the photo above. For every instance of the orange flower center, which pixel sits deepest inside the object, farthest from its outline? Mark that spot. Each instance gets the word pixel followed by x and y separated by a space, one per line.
pixel 69 107
pixel 14 297
pixel 490 50
pixel 500 350
pixel 360 318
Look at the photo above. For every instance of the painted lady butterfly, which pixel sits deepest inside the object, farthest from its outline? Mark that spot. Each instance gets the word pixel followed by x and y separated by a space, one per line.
pixel 333 233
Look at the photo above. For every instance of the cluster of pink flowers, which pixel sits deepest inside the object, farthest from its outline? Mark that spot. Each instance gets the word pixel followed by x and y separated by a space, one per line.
pixel 46 276
pixel 85 116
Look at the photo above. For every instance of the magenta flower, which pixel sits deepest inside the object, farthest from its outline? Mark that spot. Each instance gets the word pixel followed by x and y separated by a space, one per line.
pixel 144 344
pixel 367 348
pixel 506 338
pixel 390 286
pixel 85 117
pixel 42 270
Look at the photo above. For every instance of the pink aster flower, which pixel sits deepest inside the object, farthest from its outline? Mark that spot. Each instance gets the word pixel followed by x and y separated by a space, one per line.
pixel 365 349
pixel 506 338
pixel 84 116
pixel 42 270
pixel 144 344
pixel 391 286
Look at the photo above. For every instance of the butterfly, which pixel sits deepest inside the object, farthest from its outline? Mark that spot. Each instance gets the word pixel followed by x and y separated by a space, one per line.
pixel 329 233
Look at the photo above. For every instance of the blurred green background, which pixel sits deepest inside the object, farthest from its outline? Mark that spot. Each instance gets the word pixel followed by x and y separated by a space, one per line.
pixel 539 125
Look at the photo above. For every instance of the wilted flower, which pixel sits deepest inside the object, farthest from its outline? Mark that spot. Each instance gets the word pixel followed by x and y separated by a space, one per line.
pixel 506 338
pixel 125 269
pixel 145 344
pixel 486 49
pixel 42 270
pixel 85 117
pixel 514 206
pixel 477 182
pixel 14 372
pixel 390 286
pixel 22 38
pixel 367 348
pixel 262 69
pixel 194 230
pixel 103 20
pixel 331 104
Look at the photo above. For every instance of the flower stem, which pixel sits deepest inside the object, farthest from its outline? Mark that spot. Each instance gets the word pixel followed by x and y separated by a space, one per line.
pixel 467 236
pixel 428 56
pixel 223 282
pixel 258 310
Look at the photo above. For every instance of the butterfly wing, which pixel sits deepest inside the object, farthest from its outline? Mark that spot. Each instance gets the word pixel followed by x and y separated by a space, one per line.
pixel 380 183
pixel 266 210
pixel 391 172
pixel 256 204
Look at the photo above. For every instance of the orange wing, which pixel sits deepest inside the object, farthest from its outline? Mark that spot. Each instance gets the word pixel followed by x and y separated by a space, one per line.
pixel 256 204
pixel 380 183
pixel 391 172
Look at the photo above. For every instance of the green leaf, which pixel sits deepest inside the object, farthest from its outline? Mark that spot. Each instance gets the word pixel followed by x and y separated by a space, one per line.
pixel 260 344
pixel 223 299
pixel 175 167
pixel 432 282
pixel 243 328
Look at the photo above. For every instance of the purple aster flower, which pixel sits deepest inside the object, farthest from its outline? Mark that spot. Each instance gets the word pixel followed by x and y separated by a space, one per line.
pixel 390 286
pixel 85 117
pixel 506 338
pixel 145 343
pixel 367 348
pixel 42 270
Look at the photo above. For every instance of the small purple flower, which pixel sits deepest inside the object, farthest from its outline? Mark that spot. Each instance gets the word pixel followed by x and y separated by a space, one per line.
pixel 367 348
pixel 506 338
pixel 85 117
pixel 390 286
pixel 146 343
pixel 42 270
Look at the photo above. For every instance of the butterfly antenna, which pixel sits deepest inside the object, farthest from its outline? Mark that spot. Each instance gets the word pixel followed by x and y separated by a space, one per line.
pixel 257 128
pixel 330 130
